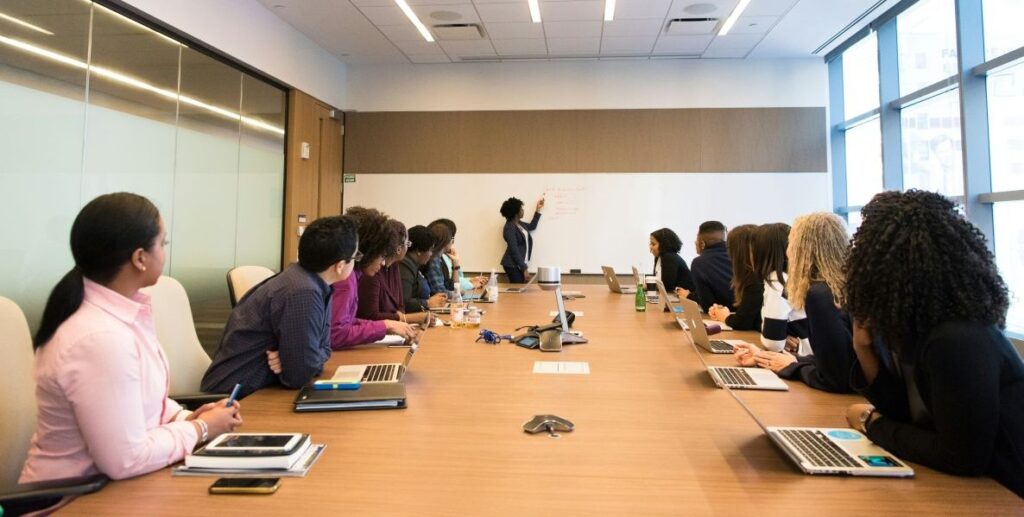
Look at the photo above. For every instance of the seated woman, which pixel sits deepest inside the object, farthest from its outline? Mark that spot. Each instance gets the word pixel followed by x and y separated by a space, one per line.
pixel 782 326
pixel 438 277
pixel 380 295
pixel 518 239
pixel 668 265
pixel 415 290
pixel 818 246
pixel 453 262
pixel 747 289
pixel 376 242
pixel 101 375
pixel 946 385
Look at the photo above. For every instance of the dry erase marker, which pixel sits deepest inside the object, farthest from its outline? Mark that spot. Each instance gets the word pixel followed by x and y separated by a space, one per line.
pixel 234 395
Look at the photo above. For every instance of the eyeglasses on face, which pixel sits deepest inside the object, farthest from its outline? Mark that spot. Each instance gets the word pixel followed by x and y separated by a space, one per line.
pixel 356 257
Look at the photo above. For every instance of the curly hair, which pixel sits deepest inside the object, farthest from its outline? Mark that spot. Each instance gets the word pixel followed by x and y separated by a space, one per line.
pixel 375 240
pixel 820 244
pixel 743 274
pixel 915 263
pixel 397 235
pixel 668 241
pixel 769 244
pixel 511 207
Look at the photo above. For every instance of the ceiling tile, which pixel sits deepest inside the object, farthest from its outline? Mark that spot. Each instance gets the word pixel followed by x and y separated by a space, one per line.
pixel 405 32
pixel 364 3
pixel 418 47
pixel 722 8
pixel 514 30
pixel 571 11
pixel 769 7
pixel 429 58
pixel 384 15
pixel 744 41
pixel 694 44
pixel 447 13
pixel 521 47
pixel 517 12
pixel 641 9
pixel 573 46
pixel 572 29
pixel 753 24
pixel 627 45
pixel 627 28
pixel 725 53
pixel 415 3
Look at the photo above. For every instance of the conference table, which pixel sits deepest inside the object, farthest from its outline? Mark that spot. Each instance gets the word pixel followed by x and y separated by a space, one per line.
pixel 653 436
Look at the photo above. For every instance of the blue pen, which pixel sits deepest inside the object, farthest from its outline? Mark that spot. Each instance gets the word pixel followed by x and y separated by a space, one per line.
pixel 234 395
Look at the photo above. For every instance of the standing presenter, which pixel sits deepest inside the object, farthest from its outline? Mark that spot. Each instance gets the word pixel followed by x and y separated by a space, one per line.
pixel 518 241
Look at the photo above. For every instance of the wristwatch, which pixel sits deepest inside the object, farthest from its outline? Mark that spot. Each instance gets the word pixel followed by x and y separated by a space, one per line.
pixel 865 418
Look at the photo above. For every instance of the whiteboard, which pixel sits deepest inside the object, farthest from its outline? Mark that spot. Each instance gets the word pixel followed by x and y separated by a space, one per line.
pixel 589 220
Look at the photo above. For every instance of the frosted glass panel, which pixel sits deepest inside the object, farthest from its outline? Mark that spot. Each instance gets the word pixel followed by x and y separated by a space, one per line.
pixel 43 114
pixel 206 178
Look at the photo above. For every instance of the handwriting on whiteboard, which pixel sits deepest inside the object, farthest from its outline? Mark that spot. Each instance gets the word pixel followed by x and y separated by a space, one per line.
pixel 563 201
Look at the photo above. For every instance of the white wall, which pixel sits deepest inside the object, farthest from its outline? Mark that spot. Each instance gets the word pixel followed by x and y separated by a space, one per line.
pixel 588 85
pixel 250 33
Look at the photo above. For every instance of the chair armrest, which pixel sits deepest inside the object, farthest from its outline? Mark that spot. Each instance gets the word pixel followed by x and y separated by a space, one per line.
pixel 192 401
pixel 36 496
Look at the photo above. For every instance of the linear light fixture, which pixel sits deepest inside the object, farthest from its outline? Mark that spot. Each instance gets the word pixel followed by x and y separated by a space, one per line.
pixel 415 20
pixel 731 20
pixel 136 83
pixel 535 10
pixel 25 24
pixel 609 10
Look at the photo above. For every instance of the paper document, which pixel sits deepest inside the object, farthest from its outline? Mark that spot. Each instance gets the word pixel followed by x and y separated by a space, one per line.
pixel 390 339
pixel 564 367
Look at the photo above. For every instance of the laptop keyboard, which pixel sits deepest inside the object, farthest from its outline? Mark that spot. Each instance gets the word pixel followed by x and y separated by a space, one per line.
pixel 818 449
pixel 735 376
pixel 720 346
pixel 378 372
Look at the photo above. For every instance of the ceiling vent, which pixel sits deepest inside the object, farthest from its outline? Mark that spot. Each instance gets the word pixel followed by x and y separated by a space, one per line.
pixel 680 26
pixel 458 31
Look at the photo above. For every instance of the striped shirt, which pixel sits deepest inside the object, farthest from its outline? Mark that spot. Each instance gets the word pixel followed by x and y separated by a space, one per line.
pixel 779 319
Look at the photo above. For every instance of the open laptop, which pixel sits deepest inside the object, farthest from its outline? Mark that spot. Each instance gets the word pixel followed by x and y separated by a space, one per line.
pixel 522 288
pixel 613 281
pixel 736 377
pixel 381 373
pixel 822 450
pixel 568 338
pixel 691 317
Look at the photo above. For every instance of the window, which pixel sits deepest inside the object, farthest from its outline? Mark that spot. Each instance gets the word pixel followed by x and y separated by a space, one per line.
pixel 863 162
pixel 1006 128
pixel 1009 245
pixel 860 77
pixel 1002 26
pixel 926 41
pixel 932 153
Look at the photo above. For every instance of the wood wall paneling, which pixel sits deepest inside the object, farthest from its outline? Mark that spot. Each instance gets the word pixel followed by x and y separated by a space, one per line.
pixel 330 165
pixel 656 140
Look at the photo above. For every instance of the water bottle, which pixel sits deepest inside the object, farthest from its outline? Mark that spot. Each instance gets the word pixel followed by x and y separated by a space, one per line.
pixel 641 298
pixel 458 308
pixel 491 291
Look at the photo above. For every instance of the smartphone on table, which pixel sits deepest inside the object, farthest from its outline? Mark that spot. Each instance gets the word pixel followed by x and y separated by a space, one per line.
pixel 245 486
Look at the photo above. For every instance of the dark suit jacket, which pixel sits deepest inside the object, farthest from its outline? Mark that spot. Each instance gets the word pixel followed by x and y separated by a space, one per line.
pixel 674 272
pixel 515 250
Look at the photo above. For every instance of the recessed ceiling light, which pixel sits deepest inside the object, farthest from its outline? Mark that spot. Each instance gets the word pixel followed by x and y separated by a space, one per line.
pixel 415 20
pixel 609 10
pixel 534 11
pixel 25 24
pixel 731 20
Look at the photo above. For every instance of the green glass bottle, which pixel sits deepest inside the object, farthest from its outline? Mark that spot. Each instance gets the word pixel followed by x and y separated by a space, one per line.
pixel 641 298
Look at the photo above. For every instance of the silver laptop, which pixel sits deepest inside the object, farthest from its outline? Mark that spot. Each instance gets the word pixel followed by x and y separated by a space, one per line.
pixel 568 338
pixel 613 281
pixel 380 373
pixel 823 450
pixel 691 316
pixel 522 288
pixel 736 377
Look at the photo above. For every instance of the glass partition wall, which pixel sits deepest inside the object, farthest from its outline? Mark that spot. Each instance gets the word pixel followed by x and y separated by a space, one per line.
pixel 94 102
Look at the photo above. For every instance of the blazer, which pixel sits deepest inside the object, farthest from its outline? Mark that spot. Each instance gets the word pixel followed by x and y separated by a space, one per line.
pixel 515 245
pixel 674 272
pixel 414 297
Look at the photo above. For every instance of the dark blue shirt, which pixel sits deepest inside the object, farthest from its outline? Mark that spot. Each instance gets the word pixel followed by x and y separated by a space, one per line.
pixel 712 276
pixel 289 313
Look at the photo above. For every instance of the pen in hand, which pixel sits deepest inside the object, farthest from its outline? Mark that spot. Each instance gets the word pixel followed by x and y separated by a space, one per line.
pixel 234 395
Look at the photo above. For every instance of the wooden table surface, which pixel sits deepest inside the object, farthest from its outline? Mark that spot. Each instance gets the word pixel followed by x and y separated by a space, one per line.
pixel 653 436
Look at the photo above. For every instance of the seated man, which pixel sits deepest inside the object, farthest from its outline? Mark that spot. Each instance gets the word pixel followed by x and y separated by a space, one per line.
pixel 288 314
pixel 712 269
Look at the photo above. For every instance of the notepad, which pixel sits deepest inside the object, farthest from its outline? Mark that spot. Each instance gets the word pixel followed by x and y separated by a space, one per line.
pixel 562 367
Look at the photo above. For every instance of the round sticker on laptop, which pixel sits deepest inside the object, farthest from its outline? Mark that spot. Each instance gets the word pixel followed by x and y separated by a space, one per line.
pixel 844 435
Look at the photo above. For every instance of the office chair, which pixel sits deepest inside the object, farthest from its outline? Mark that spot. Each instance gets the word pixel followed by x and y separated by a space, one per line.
pixel 243 278
pixel 18 420
pixel 176 331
